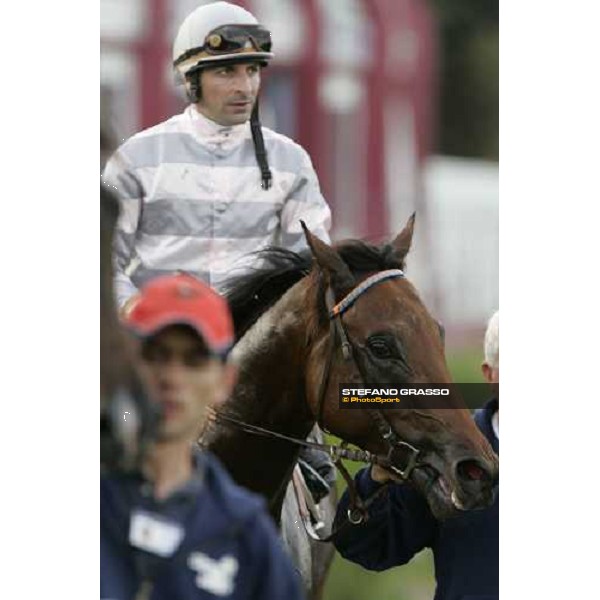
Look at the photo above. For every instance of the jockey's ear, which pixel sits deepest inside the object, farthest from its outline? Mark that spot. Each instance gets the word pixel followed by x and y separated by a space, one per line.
pixel 401 244
pixel 334 270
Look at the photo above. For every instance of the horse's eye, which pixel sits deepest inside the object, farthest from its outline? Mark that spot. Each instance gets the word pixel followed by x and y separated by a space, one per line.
pixel 380 348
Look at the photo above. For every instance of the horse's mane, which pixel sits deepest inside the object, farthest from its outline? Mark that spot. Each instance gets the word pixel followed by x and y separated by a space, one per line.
pixel 252 294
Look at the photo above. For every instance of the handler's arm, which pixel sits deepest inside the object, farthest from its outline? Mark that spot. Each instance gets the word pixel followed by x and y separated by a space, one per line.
pixel 120 177
pixel 304 202
pixel 400 524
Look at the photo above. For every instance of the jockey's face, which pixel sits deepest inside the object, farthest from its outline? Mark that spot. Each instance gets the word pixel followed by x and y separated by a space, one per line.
pixel 229 92
pixel 184 379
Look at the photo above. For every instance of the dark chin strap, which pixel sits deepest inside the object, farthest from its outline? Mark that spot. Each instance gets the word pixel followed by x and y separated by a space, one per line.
pixel 259 148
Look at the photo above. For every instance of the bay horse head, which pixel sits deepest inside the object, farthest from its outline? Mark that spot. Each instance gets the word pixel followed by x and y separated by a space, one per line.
pixel 368 324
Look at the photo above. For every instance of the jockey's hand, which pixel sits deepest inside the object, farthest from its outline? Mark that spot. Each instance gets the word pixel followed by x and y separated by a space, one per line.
pixel 381 475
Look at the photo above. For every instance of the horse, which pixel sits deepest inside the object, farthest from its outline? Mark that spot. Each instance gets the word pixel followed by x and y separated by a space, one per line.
pixel 345 313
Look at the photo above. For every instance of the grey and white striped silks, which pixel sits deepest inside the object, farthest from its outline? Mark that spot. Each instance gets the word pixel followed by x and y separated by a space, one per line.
pixel 191 200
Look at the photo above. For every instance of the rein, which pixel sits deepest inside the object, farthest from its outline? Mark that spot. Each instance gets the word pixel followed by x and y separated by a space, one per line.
pixel 357 513
pixel 335 452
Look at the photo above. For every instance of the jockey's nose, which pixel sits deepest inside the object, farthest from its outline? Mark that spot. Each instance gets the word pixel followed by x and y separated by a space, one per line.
pixel 243 83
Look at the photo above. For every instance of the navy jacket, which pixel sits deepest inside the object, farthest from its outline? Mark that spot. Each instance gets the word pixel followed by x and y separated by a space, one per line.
pixel 465 548
pixel 230 549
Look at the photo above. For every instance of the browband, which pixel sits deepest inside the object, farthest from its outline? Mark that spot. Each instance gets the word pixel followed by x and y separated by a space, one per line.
pixel 351 298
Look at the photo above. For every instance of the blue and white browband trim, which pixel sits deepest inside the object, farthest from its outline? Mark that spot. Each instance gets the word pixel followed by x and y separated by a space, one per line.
pixel 341 307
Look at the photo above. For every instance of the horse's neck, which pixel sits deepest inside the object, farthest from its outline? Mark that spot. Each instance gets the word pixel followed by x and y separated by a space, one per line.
pixel 270 393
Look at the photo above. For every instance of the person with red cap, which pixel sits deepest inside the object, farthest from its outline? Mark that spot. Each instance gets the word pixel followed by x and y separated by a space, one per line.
pixel 181 528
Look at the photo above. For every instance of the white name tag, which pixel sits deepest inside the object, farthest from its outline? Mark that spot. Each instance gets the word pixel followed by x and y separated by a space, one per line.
pixel 154 534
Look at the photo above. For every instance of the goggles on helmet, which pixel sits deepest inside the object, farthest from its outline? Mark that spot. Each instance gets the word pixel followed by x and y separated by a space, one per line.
pixel 232 39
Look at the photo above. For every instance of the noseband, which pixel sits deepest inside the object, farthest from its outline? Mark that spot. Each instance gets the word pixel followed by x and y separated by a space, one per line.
pixel 399 451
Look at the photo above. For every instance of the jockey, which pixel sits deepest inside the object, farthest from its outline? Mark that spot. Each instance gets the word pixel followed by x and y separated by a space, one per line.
pixel 204 190
pixel 181 528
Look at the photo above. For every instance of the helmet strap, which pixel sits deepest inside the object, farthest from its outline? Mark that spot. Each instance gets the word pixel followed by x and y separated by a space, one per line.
pixel 259 148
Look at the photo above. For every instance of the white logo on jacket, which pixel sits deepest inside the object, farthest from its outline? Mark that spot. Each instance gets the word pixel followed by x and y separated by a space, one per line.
pixel 215 575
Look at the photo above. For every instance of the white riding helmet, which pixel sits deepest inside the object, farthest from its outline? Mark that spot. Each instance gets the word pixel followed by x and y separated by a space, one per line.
pixel 223 32
pixel 219 32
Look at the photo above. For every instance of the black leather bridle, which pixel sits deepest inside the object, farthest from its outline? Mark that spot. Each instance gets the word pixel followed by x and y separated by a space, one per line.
pixel 399 452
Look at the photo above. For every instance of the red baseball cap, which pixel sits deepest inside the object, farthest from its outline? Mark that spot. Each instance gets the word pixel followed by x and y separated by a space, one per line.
pixel 183 300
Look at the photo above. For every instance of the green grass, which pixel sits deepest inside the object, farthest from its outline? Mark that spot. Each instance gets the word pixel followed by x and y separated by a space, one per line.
pixel 414 581
pixel 465 366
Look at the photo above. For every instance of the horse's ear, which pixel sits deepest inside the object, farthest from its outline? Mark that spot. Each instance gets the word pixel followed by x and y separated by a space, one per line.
pixel 401 244
pixel 332 266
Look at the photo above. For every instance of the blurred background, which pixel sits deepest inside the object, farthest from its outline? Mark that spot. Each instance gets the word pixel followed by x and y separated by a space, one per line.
pixel 396 102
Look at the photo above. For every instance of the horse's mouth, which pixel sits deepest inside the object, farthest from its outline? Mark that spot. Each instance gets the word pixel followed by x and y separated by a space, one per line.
pixel 448 494
pixel 441 494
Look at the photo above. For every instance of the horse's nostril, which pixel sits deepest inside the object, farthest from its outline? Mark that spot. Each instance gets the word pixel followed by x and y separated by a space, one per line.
pixel 471 470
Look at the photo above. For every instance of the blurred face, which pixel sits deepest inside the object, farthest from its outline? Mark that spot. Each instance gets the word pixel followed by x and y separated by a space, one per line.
pixel 229 92
pixel 184 379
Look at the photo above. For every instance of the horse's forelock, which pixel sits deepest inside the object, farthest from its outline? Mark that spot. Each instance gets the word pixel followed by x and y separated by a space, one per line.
pixel 253 293
pixel 363 257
